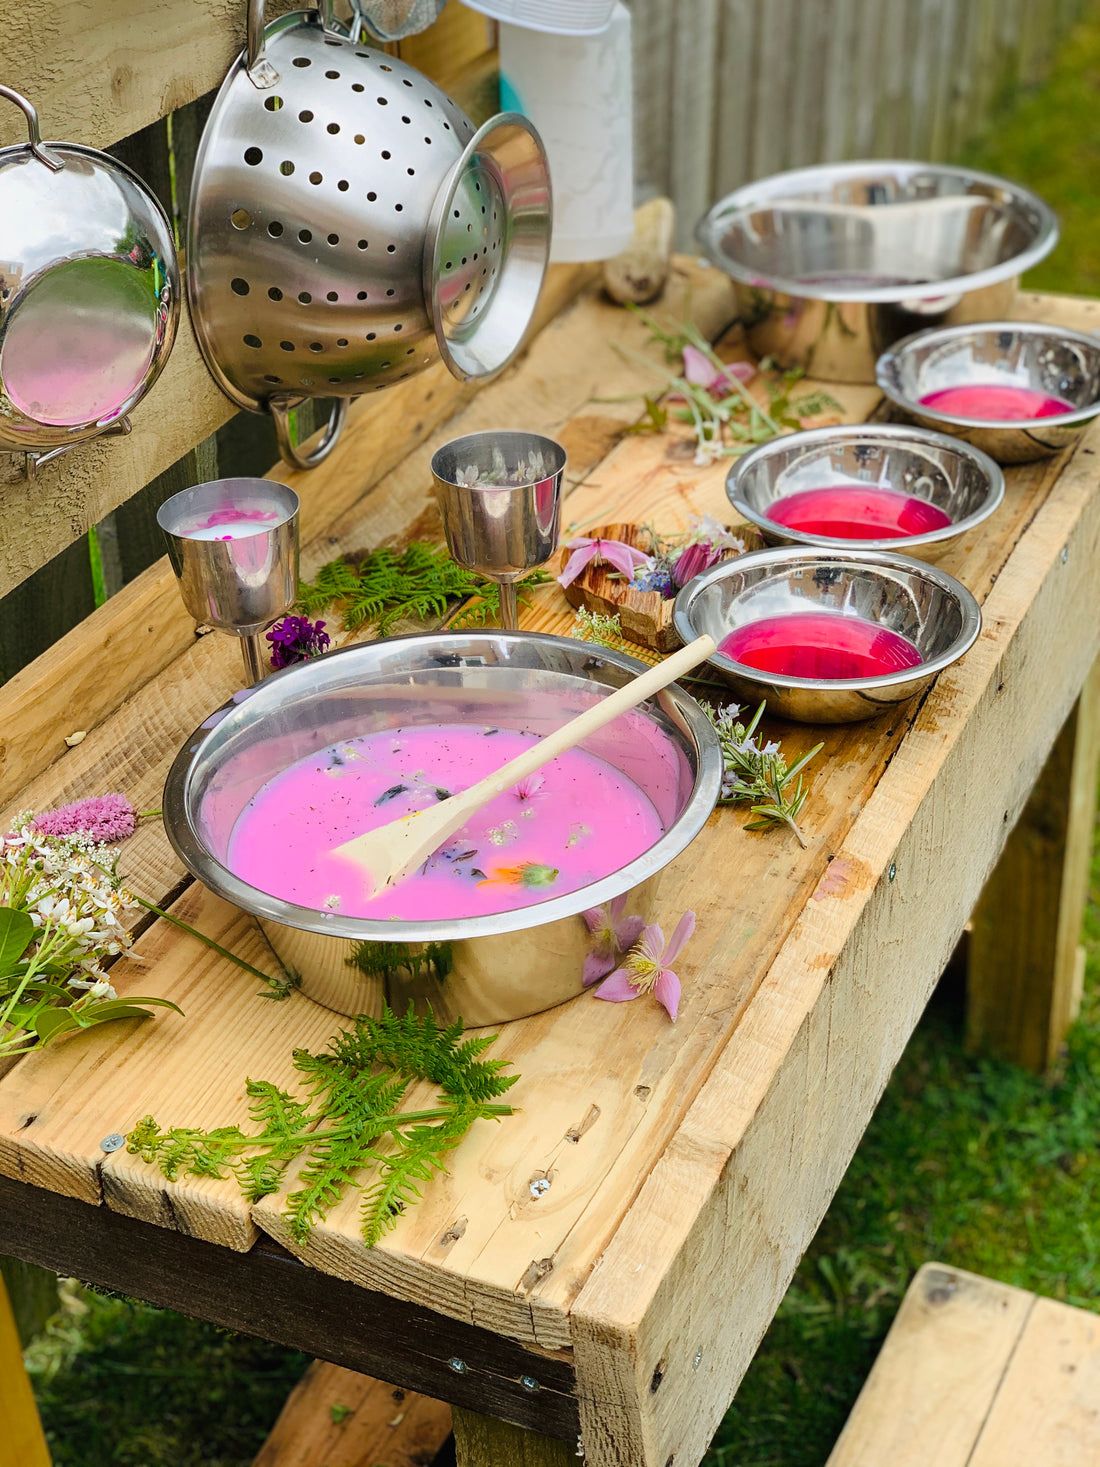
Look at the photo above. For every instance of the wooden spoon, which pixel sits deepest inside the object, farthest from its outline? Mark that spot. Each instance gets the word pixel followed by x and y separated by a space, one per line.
pixel 389 853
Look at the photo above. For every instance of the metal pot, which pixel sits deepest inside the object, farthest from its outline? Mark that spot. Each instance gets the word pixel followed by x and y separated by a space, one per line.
pixel 833 264
pixel 89 293
pixel 485 969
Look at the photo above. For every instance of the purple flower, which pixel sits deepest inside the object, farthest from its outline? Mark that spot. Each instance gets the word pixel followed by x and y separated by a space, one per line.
pixel 615 552
pixel 644 971
pixel 103 817
pixel 694 560
pixel 296 639
pixel 612 934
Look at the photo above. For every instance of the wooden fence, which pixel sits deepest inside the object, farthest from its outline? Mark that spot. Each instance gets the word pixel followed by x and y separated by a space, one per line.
pixel 726 90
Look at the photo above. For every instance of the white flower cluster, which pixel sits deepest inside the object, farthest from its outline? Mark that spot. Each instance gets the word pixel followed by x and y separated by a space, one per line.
pixel 66 888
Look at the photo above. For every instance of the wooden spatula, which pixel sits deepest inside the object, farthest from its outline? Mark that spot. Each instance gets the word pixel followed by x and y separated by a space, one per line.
pixel 388 854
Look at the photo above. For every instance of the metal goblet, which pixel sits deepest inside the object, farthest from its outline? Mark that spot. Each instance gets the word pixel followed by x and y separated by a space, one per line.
pixel 499 499
pixel 233 544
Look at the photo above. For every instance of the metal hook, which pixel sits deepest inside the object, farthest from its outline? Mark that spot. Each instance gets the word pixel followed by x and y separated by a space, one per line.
pixel 260 71
pixel 38 147
pixel 290 453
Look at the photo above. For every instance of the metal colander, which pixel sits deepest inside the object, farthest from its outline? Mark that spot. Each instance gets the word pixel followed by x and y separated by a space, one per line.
pixel 348 225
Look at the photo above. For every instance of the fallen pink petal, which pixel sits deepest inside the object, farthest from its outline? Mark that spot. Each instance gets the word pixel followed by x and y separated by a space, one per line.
pixel 594 551
pixel 613 934
pixel 700 371
pixel 644 971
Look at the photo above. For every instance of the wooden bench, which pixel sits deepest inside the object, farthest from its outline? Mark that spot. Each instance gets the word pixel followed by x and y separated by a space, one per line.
pixel 978 1374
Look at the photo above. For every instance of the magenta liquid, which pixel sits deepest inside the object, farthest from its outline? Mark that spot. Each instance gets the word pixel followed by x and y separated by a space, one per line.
pixel 820 645
pixel 573 822
pixel 996 404
pixel 849 510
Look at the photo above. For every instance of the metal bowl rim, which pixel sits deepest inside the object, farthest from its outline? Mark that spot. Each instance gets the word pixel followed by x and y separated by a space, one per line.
pixel 934 334
pixel 753 195
pixel 219 879
pixel 777 555
pixel 898 432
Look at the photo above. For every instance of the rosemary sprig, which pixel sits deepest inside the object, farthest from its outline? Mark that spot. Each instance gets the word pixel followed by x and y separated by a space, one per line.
pixel 758 773
pixel 347 1120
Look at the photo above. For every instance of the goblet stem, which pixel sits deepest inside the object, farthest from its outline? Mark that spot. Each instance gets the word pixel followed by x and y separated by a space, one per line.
pixel 254 658
pixel 509 607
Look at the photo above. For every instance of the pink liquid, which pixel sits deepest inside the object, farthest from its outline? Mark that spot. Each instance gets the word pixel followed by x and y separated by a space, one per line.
pixel 232 524
pixel 574 822
pixel 848 510
pixel 821 645
pixel 996 404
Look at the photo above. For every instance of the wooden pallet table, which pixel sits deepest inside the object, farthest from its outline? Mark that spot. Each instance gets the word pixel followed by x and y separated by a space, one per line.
pixel 596 1271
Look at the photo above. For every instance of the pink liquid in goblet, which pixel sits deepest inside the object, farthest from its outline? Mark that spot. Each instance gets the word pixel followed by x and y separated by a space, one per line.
pixel 848 510
pixel 994 403
pixel 232 524
pixel 823 645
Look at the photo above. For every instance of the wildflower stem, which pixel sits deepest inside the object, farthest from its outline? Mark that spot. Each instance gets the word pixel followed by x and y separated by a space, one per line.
pixel 208 941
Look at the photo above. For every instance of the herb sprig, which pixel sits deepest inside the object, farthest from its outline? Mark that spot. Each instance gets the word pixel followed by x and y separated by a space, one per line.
pixel 347 1119
pixel 759 773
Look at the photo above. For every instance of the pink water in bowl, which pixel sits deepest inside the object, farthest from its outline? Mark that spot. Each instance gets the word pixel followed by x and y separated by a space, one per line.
pixel 993 402
pixel 849 510
pixel 821 645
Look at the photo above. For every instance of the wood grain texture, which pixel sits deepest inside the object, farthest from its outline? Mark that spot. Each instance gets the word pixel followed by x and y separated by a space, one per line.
pixel 23 1443
pixel 337 1415
pixel 936 1376
pixel 481 1441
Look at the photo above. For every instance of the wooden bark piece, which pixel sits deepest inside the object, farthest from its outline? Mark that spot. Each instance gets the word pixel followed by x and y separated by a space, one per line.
pixel 645 616
pixel 482 1441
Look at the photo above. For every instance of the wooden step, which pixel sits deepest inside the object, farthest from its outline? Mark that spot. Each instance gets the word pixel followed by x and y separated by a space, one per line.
pixel 336 1416
pixel 978 1374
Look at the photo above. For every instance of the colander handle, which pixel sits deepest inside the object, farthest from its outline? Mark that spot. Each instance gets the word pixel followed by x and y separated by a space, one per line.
pixel 38 147
pixel 260 70
pixel 291 454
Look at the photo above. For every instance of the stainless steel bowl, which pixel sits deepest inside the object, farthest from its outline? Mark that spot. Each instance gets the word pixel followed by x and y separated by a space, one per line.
pixel 960 480
pixel 486 969
pixel 1063 363
pixel 925 605
pixel 833 264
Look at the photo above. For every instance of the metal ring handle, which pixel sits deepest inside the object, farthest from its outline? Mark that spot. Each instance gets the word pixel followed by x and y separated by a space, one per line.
pixel 260 70
pixel 290 453
pixel 38 147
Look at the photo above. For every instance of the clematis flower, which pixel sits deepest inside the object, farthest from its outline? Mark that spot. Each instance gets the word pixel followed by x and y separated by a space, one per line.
pixel 615 552
pixel 103 817
pixel 693 561
pixel 296 639
pixel 644 968
pixel 529 786
pixel 700 371
pixel 613 934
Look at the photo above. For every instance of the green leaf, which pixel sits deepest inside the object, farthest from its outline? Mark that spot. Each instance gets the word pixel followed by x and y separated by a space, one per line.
pixel 16 935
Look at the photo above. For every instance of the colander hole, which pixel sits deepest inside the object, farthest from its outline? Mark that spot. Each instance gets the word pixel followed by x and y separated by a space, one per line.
pixel 447 266
pixel 305 235
pixel 397 208
pixel 371 197
pixel 406 119
pixel 275 293
pixel 466 286
pixel 301 61
pixel 358 87
pixel 274 229
pixel 286 168
pixel 305 297
pixel 398 326
pixel 427 102
pixel 273 103
pixel 252 341
pixel 477 186
pixel 359 376
pixel 475 254
pixel 332 296
pixel 360 139
pixel 447 126
pixel 428 141
pixel 287 345
pixel 316 177
pixel 410 351
pixel 386 364
pixel 411 172
pixel 383 101
pixel 361 295
pixel 334 239
pixel 342 341
pixel 469 229
pixel 406 82
pixel 464 259
pixel 483 208
pixel 391 291
pixel 240 218
pixel 268 377
pixel 333 128
pixel 334 43
pixel 383 67
pixel 391 249
pixel 316 346
pixel 343 185
pixel 252 156
pixel 333 75
pixel 371 335
pixel 386 153
pixel 456 213
pixel 305 116
pixel 238 286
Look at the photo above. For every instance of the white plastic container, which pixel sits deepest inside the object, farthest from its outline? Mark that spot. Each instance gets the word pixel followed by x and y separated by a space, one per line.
pixel 577 90
pixel 553 17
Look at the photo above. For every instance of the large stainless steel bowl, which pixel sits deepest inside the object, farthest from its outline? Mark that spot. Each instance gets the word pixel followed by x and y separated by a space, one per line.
pixel 485 969
pixel 963 482
pixel 929 608
pixel 1048 359
pixel 833 264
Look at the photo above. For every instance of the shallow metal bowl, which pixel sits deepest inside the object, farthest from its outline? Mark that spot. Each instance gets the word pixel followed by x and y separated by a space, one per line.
pixel 486 969
pixel 1063 363
pixel 925 605
pixel 963 482
pixel 834 263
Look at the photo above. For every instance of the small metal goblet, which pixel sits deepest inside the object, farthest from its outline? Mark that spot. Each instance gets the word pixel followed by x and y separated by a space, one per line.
pixel 499 499
pixel 233 544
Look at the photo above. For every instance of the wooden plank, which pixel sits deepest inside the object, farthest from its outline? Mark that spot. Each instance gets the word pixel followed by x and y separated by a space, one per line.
pixel 1047 1412
pixel 738 1194
pixel 23 1443
pixel 35 614
pixel 652 33
pixel 450 44
pixel 1022 993
pixel 482 1441
pixel 935 1378
pixel 334 1414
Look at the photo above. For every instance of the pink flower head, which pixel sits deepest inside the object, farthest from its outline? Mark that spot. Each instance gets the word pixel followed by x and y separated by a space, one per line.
pixel 528 787
pixel 644 968
pixel 612 934
pixel 694 560
pixel 700 371
pixel 615 552
pixel 103 817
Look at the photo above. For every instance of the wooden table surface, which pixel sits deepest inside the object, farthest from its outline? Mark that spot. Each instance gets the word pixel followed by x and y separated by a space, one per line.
pixel 603 1263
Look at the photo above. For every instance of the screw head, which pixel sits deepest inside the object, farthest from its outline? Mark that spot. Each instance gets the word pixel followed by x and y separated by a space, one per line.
pixel 458 1366
pixel 893 871
pixel 1065 553
pixel 528 1382
pixel 114 1142
pixel 697 1359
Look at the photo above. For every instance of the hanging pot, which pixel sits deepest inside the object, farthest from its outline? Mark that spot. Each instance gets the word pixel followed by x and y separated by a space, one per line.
pixel 348 226
pixel 89 293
